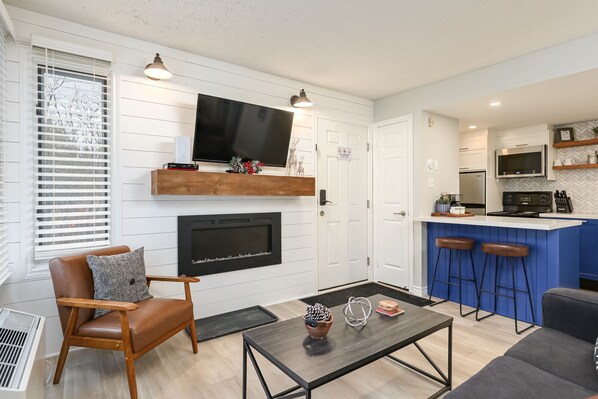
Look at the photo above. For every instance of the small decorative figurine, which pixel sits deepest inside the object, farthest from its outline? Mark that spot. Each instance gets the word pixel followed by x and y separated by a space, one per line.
pixel 300 169
pixel 292 161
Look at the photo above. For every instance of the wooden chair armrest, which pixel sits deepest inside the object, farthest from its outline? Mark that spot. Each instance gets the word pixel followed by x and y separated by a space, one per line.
pixel 179 279
pixel 97 304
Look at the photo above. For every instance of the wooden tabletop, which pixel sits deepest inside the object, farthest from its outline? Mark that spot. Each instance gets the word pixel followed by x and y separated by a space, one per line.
pixel 312 363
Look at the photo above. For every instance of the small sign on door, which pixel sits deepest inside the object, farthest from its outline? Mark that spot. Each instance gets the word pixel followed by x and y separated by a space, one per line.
pixel 344 153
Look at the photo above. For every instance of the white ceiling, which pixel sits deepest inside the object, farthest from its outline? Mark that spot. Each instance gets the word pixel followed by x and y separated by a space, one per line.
pixel 573 98
pixel 370 48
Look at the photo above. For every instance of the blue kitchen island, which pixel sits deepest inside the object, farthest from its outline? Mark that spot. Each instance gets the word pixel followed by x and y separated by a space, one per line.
pixel 553 261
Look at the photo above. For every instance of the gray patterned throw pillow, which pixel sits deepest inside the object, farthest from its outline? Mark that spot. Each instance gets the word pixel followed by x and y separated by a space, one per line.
pixel 119 278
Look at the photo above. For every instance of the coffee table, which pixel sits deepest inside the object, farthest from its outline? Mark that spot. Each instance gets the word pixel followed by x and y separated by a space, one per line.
pixel 313 363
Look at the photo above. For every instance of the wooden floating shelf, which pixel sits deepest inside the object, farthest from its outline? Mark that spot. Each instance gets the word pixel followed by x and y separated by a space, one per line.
pixel 581 166
pixel 578 143
pixel 182 182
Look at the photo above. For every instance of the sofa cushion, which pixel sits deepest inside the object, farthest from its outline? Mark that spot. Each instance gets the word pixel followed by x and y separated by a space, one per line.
pixel 508 378
pixel 153 318
pixel 119 278
pixel 560 354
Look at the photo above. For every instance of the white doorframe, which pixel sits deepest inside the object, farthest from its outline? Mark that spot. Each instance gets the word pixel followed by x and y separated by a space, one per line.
pixel 410 157
pixel 317 117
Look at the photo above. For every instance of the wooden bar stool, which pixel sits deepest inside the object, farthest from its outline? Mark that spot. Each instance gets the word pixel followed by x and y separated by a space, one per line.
pixel 458 244
pixel 510 252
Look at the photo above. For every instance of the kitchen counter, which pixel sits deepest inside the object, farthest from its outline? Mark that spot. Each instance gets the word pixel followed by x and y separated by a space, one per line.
pixel 553 260
pixel 499 221
pixel 570 215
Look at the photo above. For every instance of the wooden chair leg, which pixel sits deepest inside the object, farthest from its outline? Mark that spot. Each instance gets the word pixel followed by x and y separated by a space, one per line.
pixel 193 335
pixel 64 350
pixel 192 323
pixel 128 352
pixel 130 365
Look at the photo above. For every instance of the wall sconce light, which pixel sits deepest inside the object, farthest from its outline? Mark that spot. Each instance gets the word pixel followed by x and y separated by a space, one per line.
pixel 156 70
pixel 301 101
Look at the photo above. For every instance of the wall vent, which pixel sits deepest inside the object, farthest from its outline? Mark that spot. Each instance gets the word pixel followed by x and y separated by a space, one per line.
pixel 17 333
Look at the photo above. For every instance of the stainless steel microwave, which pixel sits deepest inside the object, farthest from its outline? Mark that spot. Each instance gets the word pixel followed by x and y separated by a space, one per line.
pixel 528 161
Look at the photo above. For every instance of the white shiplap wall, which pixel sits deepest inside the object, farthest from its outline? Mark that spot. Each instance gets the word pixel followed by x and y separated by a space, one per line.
pixel 148 115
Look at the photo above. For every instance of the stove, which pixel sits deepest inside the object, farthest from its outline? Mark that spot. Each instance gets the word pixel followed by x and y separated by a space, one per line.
pixel 524 204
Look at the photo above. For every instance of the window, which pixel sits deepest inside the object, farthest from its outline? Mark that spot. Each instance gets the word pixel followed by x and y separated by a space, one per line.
pixel 4 269
pixel 72 153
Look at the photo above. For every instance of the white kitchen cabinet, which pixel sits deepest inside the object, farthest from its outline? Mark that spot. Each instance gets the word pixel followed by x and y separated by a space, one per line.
pixel 473 141
pixel 524 139
pixel 473 148
pixel 473 160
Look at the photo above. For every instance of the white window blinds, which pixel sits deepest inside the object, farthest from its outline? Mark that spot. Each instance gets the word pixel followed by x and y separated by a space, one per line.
pixel 72 153
pixel 4 269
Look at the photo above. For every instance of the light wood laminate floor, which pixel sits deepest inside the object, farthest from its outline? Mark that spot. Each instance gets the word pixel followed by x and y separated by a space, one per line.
pixel 172 371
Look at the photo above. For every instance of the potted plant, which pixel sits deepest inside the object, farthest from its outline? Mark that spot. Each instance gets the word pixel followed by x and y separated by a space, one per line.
pixel 443 203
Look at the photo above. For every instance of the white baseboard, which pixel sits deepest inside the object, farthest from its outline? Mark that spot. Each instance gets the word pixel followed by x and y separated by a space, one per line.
pixel 420 291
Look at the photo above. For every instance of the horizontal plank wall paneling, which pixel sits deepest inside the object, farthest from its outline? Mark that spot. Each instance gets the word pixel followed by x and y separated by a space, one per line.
pixel 148 115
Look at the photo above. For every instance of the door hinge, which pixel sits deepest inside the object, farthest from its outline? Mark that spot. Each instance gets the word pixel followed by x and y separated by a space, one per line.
pixel 368 146
pixel 368 258
pixel 368 204
pixel 316 147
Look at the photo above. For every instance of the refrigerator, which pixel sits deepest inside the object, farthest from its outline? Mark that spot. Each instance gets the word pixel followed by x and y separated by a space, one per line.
pixel 472 186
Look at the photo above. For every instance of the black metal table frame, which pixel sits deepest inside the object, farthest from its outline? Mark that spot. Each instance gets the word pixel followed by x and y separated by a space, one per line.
pixel 444 379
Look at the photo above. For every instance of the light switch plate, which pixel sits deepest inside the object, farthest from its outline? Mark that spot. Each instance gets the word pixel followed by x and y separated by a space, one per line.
pixel 431 121
pixel 430 165
pixel 430 182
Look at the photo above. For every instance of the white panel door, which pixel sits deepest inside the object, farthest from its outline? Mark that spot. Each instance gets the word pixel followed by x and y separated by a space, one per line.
pixel 391 201
pixel 342 223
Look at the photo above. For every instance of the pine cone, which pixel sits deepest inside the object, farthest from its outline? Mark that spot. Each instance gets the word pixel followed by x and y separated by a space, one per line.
pixel 317 312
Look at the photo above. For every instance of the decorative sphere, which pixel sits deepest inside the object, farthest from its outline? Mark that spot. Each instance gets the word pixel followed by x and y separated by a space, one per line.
pixel 357 310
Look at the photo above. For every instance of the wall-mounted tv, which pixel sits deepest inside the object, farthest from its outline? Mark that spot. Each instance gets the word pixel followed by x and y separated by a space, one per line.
pixel 225 128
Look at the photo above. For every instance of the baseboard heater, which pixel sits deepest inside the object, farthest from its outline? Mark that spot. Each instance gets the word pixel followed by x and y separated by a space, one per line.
pixel 22 355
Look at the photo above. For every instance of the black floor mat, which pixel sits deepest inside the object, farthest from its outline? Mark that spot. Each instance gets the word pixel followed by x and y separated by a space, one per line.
pixel 342 296
pixel 232 322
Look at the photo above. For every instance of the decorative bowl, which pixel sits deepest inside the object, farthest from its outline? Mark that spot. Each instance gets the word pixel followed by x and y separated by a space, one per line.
pixel 321 330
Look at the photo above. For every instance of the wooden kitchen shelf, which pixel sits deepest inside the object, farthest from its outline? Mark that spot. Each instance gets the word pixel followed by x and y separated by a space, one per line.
pixel 580 166
pixel 578 143
pixel 177 182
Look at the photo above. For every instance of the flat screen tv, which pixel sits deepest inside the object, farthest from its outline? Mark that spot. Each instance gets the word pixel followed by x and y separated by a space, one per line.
pixel 225 128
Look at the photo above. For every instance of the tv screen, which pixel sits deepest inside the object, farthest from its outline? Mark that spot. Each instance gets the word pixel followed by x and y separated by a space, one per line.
pixel 226 128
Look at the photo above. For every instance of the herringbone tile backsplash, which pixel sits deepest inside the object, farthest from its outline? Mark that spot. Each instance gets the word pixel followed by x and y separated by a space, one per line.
pixel 581 184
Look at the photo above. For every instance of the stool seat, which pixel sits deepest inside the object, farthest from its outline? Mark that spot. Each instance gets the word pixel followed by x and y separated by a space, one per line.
pixel 508 250
pixel 457 243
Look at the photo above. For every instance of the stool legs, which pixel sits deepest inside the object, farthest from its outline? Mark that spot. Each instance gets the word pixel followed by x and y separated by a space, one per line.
pixel 475 282
pixel 458 276
pixel 477 311
pixel 509 262
pixel 529 296
pixel 434 279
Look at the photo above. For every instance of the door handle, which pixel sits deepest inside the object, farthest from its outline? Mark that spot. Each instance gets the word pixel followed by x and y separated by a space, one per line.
pixel 402 213
pixel 323 200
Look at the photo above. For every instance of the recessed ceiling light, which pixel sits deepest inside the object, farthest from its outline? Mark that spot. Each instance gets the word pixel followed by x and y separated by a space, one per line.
pixel 472 126
pixel 495 104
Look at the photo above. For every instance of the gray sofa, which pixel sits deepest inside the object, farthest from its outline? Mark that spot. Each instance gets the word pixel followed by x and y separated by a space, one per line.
pixel 555 361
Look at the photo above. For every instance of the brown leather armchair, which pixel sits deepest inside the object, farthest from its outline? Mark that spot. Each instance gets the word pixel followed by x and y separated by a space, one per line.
pixel 134 328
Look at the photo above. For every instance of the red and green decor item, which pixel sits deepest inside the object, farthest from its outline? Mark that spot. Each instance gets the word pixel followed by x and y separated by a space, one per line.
pixel 248 167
